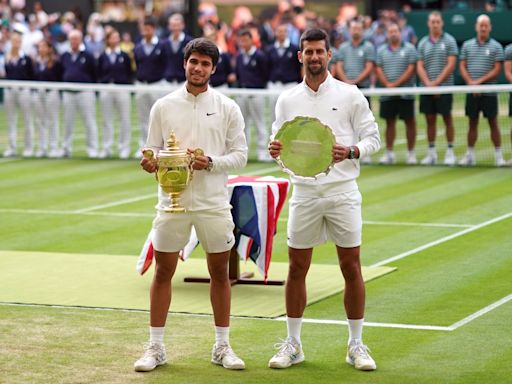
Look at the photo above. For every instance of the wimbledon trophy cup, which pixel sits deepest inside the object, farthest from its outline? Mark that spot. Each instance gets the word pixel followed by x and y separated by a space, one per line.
pixel 174 170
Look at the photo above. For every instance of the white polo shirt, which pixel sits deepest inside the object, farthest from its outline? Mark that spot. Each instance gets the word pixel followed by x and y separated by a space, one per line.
pixel 210 121
pixel 345 110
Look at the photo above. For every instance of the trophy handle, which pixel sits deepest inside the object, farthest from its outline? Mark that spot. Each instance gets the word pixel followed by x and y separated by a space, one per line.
pixel 148 153
pixel 196 152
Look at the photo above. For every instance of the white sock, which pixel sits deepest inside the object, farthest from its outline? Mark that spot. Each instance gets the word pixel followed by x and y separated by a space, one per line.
pixel 156 335
pixel 471 151
pixel 355 331
pixel 498 154
pixel 221 335
pixel 294 325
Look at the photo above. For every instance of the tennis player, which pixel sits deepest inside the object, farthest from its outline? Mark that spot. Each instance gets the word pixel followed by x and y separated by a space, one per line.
pixel 201 118
pixel 328 207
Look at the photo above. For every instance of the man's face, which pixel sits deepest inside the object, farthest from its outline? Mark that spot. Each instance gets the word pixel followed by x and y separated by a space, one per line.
pixel 198 69
pixel 483 28
pixel 435 24
pixel 148 31
pixel 75 39
pixel 114 39
pixel 356 31
pixel 281 33
pixel 315 57
pixel 394 36
pixel 245 42
pixel 175 26
pixel 16 40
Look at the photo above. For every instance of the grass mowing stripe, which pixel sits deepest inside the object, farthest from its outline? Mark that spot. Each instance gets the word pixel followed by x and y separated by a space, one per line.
pixel 481 312
pixel 442 240
pixel 115 203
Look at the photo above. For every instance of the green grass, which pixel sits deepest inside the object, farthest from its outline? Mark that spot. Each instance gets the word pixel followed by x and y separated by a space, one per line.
pixel 437 286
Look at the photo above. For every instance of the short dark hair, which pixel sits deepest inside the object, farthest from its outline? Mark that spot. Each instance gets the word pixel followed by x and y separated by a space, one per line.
pixel 244 32
pixel 202 46
pixel 314 34
pixel 150 20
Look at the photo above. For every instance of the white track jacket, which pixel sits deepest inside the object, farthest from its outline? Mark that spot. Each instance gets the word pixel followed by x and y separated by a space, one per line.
pixel 345 110
pixel 210 121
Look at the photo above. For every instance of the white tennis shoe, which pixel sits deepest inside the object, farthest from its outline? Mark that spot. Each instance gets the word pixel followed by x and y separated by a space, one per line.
pixel 449 157
pixel 358 356
pixel 222 354
pixel 468 160
pixel 290 352
pixel 154 355
pixel 430 159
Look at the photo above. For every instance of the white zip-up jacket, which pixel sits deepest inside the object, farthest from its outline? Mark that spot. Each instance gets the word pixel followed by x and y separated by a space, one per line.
pixel 210 121
pixel 345 110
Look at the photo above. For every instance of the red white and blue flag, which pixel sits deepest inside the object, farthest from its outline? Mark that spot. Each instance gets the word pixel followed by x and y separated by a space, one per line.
pixel 257 203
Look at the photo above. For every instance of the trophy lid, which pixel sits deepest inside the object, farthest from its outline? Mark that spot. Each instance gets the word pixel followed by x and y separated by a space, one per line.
pixel 172 148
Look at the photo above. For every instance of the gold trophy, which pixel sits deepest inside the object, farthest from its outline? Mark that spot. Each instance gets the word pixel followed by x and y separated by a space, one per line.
pixel 174 170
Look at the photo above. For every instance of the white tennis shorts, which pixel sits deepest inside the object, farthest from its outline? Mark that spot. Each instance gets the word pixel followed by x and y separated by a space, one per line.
pixel 214 229
pixel 312 221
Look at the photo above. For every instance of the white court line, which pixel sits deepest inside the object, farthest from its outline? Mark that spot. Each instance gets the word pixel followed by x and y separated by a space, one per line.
pixel 413 224
pixel 442 240
pixel 372 324
pixel 481 312
pixel 280 319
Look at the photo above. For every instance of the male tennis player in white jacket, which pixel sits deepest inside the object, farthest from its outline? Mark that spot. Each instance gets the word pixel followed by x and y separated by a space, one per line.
pixel 328 207
pixel 201 118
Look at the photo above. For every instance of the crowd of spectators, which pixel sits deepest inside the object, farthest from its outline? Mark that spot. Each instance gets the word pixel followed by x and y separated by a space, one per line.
pixel 257 51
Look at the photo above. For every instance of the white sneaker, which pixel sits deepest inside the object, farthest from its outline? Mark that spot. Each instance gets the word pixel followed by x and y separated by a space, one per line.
pixel 40 153
pixel 66 152
pixel 137 154
pixel 358 356
pixel 28 153
pixel 500 162
pixel 387 158
pixel 92 154
pixel 9 153
pixel 222 354
pixel 55 154
pixel 449 157
pixel 467 160
pixel 509 163
pixel 124 154
pixel 290 352
pixel 366 160
pixel 430 159
pixel 154 355
pixel 104 154
pixel 411 158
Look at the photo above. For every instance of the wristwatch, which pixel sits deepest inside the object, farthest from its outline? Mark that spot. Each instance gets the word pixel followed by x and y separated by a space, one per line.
pixel 209 167
pixel 351 152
